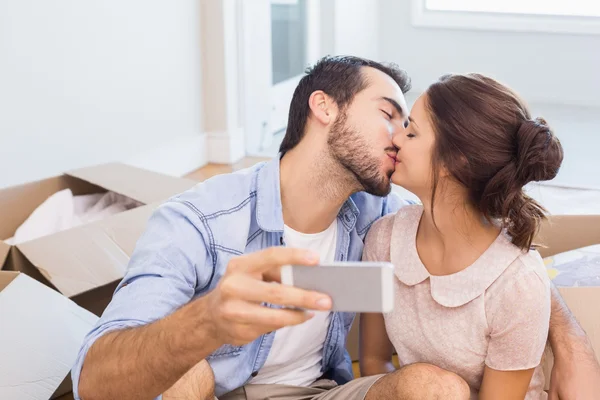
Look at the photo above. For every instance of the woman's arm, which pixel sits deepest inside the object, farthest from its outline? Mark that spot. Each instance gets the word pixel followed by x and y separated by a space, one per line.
pixel 505 385
pixel 375 349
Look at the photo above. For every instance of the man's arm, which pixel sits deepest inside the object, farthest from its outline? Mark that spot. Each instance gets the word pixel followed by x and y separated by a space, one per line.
pixel 151 334
pixel 565 333
pixel 143 362
pixel 132 338
pixel 576 372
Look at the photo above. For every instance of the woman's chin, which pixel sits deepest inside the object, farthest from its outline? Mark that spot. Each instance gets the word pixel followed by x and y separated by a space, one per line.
pixel 396 179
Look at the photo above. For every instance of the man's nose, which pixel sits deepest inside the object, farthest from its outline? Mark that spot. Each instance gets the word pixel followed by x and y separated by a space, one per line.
pixel 397 138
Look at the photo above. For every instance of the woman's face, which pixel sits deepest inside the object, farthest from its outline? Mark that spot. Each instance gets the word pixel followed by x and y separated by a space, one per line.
pixel 413 169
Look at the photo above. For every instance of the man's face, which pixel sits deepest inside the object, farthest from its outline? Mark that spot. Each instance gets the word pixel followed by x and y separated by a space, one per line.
pixel 361 137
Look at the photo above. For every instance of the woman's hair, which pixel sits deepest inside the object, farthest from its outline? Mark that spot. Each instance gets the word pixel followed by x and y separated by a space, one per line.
pixel 487 141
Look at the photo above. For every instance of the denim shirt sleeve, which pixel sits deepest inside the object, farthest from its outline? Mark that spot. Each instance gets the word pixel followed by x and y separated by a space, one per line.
pixel 169 263
pixel 392 203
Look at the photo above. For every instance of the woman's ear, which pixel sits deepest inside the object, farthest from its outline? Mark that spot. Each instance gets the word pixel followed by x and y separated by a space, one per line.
pixel 460 164
pixel 322 107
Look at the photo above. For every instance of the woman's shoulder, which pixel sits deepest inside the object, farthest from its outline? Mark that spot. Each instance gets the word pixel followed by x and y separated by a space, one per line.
pixel 528 266
pixel 525 280
pixel 378 239
pixel 382 228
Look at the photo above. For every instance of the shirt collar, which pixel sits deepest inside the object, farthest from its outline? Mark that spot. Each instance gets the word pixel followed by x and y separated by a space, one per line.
pixel 452 290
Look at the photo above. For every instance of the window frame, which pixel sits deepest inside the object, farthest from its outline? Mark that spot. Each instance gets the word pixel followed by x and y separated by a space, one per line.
pixel 491 21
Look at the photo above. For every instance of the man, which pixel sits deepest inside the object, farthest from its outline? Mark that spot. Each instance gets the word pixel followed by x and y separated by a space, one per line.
pixel 198 298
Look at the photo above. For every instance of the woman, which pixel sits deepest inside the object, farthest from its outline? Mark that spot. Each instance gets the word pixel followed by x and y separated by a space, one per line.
pixel 470 295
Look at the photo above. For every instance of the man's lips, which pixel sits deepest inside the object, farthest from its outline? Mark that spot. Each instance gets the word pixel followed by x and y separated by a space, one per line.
pixel 394 158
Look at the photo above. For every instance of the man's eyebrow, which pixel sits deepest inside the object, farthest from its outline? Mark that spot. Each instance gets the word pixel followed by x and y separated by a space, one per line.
pixel 395 104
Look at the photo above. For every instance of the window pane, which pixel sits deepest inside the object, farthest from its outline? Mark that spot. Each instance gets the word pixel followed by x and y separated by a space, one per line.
pixel 288 38
pixel 585 8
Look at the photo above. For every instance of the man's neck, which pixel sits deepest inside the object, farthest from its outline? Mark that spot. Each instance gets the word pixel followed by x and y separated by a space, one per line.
pixel 313 189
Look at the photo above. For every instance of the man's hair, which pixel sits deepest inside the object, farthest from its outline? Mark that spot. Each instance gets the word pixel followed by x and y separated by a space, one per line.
pixel 341 78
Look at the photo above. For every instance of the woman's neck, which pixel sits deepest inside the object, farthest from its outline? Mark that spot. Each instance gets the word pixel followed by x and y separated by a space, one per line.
pixel 453 236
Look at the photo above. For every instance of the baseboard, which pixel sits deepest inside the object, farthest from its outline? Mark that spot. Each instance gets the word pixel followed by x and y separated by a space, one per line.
pixel 225 147
pixel 177 157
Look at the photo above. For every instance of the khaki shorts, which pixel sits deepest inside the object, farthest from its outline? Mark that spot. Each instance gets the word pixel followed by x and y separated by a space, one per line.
pixel 323 389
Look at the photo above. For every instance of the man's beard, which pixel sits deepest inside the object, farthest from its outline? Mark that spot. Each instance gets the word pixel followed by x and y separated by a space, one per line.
pixel 349 148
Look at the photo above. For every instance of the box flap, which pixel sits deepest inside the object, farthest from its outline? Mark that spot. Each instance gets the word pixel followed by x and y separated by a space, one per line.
pixel 6 277
pixel 91 255
pixel 18 202
pixel 562 233
pixel 136 183
pixel 40 338
pixel 4 250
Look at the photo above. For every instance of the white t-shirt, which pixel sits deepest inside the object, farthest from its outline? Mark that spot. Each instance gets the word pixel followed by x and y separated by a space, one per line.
pixel 297 352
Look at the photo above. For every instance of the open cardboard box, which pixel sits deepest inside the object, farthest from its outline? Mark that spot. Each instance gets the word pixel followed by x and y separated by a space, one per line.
pixel 40 338
pixel 559 234
pixel 84 263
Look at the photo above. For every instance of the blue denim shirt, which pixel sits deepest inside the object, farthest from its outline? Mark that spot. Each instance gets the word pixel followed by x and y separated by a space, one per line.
pixel 187 245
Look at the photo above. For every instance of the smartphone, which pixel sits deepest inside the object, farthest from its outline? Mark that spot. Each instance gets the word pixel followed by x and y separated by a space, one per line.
pixel 352 286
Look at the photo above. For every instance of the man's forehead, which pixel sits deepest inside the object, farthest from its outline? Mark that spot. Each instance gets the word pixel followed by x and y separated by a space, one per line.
pixel 381 86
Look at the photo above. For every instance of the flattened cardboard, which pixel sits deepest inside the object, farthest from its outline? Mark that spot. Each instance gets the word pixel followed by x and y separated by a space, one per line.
pixel 6 277
pixel 136 183
pixel 41 334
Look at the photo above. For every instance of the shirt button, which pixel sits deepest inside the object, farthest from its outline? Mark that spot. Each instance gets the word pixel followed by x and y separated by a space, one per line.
pixel 254 374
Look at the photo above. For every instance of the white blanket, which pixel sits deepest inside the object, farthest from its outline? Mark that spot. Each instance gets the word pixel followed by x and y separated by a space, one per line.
pixel 63 211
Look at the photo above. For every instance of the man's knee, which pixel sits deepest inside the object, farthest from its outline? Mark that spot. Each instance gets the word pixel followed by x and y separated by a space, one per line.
pixel 426 381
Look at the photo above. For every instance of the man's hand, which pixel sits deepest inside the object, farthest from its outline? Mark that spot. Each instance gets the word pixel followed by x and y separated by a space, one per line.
pixel 237 314
pixel 575 375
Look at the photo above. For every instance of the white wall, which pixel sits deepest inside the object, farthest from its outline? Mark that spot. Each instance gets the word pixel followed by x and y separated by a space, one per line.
pixel 549 68
pixel 356 27
pixel 557 74
pixel 85 82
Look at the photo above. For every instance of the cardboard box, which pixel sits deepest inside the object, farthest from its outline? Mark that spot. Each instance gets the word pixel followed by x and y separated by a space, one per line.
pixel 40 338
pixel 559 234
pixel 84 263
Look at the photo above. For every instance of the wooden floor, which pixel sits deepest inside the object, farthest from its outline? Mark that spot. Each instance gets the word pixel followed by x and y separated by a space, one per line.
pixel 216 169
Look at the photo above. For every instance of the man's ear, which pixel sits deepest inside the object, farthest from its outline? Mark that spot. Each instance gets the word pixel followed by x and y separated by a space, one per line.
pixel 322 107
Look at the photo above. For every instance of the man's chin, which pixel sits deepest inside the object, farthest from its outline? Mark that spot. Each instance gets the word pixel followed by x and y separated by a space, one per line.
pixel 381 190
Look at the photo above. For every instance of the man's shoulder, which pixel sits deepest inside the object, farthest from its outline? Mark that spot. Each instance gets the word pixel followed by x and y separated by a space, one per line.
pixel 222 194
